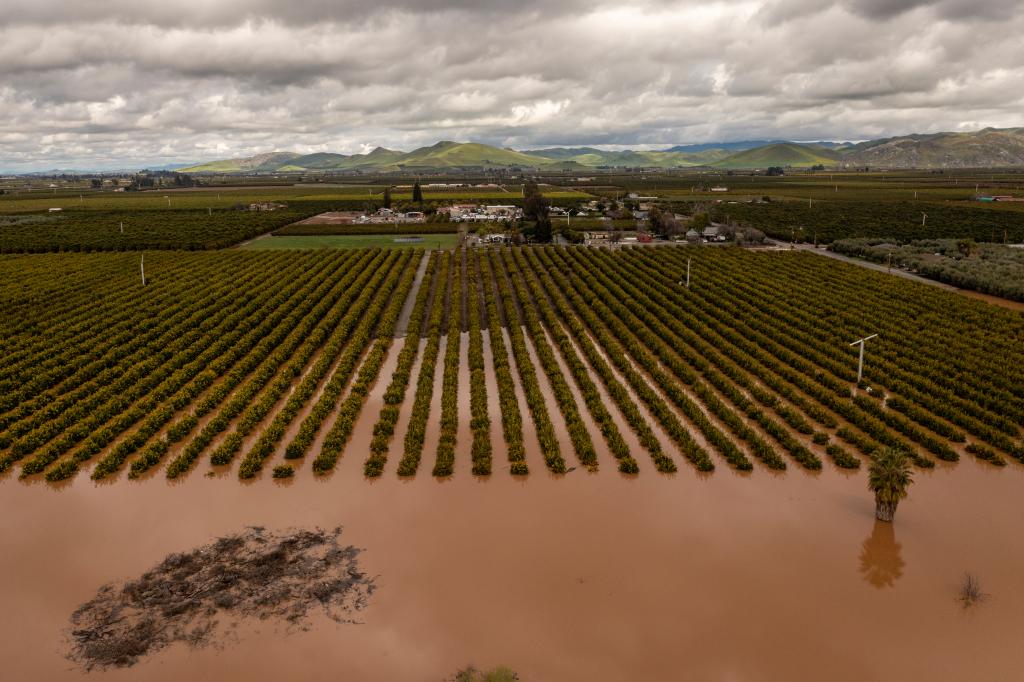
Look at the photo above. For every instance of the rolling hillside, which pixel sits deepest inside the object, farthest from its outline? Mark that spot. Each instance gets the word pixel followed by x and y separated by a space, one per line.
pixel 986 148
pixel 785 154
pixel 982 149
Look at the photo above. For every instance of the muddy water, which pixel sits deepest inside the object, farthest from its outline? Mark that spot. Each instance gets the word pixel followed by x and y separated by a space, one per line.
pixel 464 434
pixel 432 432
pixel 604 455
pixel 571 578
pixel 493 406
pixel 667 445
pixel 554 413
pixel 531 444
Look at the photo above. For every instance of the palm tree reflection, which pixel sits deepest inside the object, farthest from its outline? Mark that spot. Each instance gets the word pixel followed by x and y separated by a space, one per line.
pixel 880 562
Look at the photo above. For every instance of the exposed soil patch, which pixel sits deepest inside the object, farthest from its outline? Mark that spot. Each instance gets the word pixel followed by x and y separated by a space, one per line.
pixel 192 596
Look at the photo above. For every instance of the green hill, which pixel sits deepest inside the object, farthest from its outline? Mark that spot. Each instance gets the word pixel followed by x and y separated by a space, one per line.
pixel 464 155
pixel 785 154
pixel 259 163
pixel 982 149
pixel 591 157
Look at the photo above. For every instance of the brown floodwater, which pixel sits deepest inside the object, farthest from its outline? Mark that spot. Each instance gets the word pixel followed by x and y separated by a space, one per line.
pixel 575 577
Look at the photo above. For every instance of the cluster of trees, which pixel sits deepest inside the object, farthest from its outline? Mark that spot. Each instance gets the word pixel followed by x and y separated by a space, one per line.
pixel 896 221
pixel 989 268
pixel 536 209
pixel 186 229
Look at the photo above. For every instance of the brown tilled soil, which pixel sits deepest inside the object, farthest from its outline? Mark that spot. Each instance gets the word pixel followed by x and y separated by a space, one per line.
pixel 193 596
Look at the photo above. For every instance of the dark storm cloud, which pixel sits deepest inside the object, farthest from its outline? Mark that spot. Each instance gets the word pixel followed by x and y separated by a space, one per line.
pixel 947 9
pixel 106 83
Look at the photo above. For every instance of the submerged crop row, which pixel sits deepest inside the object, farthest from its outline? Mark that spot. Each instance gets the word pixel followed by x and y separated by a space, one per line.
pixel 240 360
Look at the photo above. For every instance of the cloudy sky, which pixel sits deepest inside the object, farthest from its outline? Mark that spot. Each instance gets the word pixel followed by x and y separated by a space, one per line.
pixel 102 84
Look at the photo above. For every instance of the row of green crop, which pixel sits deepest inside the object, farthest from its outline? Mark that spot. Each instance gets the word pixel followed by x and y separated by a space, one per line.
pixel 552 281
pixel 263 340
pixel 1000 391
pixel 511 417
pixel 898 220
pixel 649 350
pixel 580 372
pixel 579 436
pixel 231 349
pixel 344 345
pixel 344 423
pixel 714 360
pixel 42 336
pixel 153 228
pixel 923 383
pixel 822 354
pixel 496 277
pixel 149 382
pixel 192 380
pixel 479 423
pixel 445 458
pixel 89 367
pixel 995 405
pixel 715 350
pixel 673 338
pixel 338 325
pixel 824 388
pixel 417 429
pixel 602 325
pixel 324 303
pixel 394 394
pixel 288 306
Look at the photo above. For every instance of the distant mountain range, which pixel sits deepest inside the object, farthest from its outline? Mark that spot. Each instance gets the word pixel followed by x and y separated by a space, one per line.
pixel 982 149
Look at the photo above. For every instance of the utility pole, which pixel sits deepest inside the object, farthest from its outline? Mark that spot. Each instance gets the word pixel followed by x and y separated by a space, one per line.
pixel 860 363
pixel 122 227
pixel 924 217
pixel 687 273
pixel 142 268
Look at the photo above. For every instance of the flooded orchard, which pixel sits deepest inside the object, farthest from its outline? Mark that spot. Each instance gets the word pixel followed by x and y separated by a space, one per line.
pixel 575 577
pixel 740 551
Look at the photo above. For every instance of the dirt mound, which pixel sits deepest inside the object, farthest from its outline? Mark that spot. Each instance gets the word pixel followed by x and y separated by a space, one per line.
pixel 190 597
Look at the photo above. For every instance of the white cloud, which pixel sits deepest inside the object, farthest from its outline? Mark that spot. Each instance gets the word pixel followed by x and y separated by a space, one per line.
pixel 107 84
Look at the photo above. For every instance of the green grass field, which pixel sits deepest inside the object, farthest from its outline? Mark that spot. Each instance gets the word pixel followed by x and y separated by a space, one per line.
pixel 356 241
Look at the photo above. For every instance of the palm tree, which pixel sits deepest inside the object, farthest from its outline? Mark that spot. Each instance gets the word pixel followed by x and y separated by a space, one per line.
pixel 889 476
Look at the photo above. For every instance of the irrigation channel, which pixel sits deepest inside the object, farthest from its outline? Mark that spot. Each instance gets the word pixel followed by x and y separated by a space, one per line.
pixel 560 460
